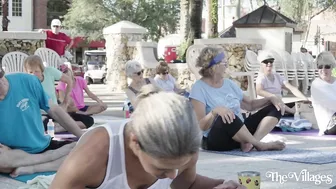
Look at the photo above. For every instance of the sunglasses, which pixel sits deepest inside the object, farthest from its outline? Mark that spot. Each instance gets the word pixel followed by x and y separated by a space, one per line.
pixel 165 73
pixel 268 61
pixel 324 66
pixel 139 73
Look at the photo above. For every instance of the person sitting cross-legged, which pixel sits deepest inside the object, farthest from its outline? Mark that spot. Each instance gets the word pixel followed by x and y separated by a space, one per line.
pixel 150 150
pixel 22 133
pixel 77 95
pixel 218 101
pixel 166 81
pixel 270 83
pixel 48 76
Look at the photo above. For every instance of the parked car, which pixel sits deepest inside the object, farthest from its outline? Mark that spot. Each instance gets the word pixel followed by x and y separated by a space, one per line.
pixel 95 66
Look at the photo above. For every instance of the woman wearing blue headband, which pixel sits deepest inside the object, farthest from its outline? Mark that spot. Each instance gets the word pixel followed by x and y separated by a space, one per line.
pixel 218 101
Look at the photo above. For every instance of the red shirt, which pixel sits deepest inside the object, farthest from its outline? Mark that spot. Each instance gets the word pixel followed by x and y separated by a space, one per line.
pixel 57 42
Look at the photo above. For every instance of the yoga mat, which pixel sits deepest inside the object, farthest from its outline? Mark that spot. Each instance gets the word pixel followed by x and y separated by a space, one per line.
pixel 311 132
pixel 288 154
pixel 25 178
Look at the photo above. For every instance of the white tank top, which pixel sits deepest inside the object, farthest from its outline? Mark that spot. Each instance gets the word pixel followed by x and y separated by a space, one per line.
pixel 115 177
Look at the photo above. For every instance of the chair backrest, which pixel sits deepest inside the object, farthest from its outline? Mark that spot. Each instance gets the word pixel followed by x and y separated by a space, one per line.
pixel 13 62
pixel 49 56
pixel 192 54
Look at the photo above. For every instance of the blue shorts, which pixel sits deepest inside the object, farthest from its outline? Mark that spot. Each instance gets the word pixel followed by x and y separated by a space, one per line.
pixel 84 109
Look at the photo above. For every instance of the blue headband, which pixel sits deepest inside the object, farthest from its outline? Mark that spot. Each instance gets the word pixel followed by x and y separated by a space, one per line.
pixel 218 58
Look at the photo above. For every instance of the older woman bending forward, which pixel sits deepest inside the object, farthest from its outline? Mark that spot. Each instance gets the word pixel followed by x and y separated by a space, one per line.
pixel 152 150
pixel 218 101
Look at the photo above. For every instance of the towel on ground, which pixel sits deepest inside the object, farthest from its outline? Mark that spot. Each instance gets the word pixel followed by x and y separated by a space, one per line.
pixel 39 182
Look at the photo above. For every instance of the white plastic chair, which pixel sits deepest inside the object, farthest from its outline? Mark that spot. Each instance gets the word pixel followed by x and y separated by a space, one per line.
pixel 50 57
pixel 13 62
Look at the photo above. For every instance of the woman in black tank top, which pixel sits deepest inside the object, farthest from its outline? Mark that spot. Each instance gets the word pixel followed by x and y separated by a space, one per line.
pixel 134 71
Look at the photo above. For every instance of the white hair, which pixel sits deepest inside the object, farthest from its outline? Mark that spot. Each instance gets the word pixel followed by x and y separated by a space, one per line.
pixel 131 67
pixel 326 58
pixel 165 124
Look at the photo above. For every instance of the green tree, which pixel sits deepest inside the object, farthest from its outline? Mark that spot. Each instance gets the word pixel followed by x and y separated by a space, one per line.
pixel 213 18
pixel 89 17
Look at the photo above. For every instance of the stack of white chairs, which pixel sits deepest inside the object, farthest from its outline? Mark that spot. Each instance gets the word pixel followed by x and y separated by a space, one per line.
pixel 251 63
pixel 290 66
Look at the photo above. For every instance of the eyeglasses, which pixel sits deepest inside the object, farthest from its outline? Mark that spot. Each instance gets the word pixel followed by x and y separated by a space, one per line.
pixel 139 73
pixel 324 67
pixel 56 26
pixel 268 61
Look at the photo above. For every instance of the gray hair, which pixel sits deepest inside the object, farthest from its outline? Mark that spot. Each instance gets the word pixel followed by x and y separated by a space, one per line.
pixel 131 67
pixel 326 58
pixel 165 124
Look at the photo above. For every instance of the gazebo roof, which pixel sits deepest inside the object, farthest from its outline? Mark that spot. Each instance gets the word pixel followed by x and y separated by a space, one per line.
pixel 264 16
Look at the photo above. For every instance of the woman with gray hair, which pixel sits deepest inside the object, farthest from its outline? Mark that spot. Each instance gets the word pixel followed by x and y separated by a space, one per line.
pixel 135 72
pixel 218 101
pixel 323 90
pixel 152 150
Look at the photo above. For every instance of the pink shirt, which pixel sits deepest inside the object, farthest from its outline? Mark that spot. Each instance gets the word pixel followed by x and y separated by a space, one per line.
pixel 77 93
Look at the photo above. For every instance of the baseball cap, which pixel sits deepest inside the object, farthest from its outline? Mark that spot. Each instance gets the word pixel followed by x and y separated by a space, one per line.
pixel 56 22
pixel 264 55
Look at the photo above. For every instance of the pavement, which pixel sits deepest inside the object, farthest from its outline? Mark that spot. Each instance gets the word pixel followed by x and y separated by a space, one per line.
pixel 227 166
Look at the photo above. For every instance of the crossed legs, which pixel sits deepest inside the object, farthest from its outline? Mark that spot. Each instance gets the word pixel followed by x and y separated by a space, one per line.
pixel 224 137
pixel 18 162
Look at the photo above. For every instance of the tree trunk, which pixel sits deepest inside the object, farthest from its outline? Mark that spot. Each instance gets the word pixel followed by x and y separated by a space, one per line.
pixel 184 19
pixel 5 20
pixel 212 18
pixel 196 7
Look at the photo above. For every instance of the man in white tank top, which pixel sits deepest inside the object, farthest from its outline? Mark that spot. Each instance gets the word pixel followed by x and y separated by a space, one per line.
pixel 156 149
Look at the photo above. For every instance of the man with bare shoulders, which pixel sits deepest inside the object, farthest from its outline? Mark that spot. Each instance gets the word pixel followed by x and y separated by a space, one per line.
pixel 152 150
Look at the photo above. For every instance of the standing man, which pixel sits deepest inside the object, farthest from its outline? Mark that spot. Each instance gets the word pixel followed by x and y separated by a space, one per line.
pixel 56 40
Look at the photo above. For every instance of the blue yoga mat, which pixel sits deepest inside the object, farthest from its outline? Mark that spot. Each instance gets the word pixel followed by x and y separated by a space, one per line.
pixel 25 178
pixel 288 154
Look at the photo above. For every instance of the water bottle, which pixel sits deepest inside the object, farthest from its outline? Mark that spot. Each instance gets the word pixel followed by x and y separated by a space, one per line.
pixel 297 113
pixel 126 110
pixel 51 128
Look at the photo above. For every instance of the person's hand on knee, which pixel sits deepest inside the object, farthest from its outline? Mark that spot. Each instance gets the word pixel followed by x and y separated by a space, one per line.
pixel 227 115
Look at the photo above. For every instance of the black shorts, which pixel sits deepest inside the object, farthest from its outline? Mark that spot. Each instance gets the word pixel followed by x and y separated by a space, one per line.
pixel 55 144
pixel 220 135
pixel 87 120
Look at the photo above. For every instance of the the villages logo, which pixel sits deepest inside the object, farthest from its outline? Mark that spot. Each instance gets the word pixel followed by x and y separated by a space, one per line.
pixel 303 176
pixel 23 104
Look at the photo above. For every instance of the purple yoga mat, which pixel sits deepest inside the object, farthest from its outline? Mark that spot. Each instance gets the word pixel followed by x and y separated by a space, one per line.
pixel 311 132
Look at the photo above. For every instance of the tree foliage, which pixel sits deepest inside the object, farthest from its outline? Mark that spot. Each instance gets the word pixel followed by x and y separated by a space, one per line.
pixel 89 17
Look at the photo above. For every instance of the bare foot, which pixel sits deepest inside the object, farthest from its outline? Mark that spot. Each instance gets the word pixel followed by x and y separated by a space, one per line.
pixel 246 147
pixel 22 171
pixel 277 145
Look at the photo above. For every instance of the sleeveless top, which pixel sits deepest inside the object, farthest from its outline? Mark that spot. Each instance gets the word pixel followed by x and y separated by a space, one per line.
pixel 115 177
pixel 136 91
